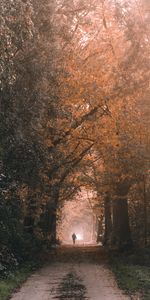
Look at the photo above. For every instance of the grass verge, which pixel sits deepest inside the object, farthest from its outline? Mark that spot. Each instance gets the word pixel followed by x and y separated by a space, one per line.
pixel 14 281
pixel 133 272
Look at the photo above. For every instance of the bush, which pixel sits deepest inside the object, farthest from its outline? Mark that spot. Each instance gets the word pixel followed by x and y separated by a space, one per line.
pixel 8 262
pixel 133 271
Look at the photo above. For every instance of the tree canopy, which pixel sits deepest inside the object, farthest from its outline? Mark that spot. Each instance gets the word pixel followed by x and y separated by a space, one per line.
pixel 74 113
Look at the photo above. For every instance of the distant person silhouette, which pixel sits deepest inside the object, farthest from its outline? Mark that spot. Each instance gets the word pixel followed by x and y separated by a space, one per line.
pixel 74 237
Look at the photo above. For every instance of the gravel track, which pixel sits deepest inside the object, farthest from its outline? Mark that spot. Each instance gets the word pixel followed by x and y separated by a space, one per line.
pixel 73 273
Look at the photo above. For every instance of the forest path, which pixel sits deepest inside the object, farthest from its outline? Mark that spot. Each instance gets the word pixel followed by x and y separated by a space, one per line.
pixel 73 273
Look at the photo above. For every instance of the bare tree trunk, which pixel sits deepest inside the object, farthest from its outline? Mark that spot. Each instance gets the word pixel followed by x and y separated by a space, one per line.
pixel 121 228
pixel 52 213
pixel 145 211
pixel 108 220
pixel 98 229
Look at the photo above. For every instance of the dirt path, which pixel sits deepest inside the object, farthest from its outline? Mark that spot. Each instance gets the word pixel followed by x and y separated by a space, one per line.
pixel 73 274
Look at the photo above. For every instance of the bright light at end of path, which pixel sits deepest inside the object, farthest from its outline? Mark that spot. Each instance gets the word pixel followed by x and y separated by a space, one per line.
pixel 79 237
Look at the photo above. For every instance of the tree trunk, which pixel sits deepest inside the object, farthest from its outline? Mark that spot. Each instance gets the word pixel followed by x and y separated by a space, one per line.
pixel 145 210
pixel 98 229
pixel 108 221
pixel 29 224
pixel 121 228
pixel 52 213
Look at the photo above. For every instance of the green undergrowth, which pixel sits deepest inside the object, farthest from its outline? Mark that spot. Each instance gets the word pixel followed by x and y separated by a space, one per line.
pixel 132 271
pixel 15 279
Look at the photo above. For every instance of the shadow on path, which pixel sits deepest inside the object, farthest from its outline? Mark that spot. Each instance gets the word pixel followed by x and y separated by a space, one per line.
pixel 71 288
pixel 78 254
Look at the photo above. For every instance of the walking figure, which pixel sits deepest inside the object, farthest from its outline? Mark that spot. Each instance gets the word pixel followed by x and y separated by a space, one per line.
pixel 74 237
